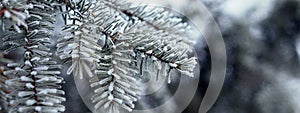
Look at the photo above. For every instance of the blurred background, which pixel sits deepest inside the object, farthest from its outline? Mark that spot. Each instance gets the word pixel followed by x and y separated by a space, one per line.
pixel 262 39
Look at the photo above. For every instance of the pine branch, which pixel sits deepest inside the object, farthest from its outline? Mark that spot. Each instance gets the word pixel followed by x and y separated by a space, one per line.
pixel 166 52
pixel 167 31
pixel 111 87
pixel 80 45
pixel 16 12
pixel 4 90
pixel 117 85
pixel 35 83
pixel 158 18
pixel 131 45
pixel 124 42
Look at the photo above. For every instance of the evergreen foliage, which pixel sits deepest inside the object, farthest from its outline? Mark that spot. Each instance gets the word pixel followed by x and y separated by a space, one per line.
pixel 109 41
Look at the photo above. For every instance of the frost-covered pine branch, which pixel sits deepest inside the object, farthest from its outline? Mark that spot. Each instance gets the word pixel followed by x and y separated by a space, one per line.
pixel 159 51
pixel 116 86
pixel 4 90
pixel 80 42
pixel 15 11
pixel 159 34
pixel 110 41
pixel 132 42
pixel 35 84
pixel 126 50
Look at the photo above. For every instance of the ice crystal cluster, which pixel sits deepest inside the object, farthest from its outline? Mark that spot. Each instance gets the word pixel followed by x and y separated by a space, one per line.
pixel 109 41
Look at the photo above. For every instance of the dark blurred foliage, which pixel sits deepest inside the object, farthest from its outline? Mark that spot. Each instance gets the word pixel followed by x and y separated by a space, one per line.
pixel 252 57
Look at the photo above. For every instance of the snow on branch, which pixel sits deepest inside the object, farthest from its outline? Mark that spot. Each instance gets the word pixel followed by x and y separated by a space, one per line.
pixel 159 47
pixel 4 90
pixel 110 41
pixel 161 35
pixel 35 84
pixel 86 30
pixel 15 11
pixel 117 85
pixel 136 42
